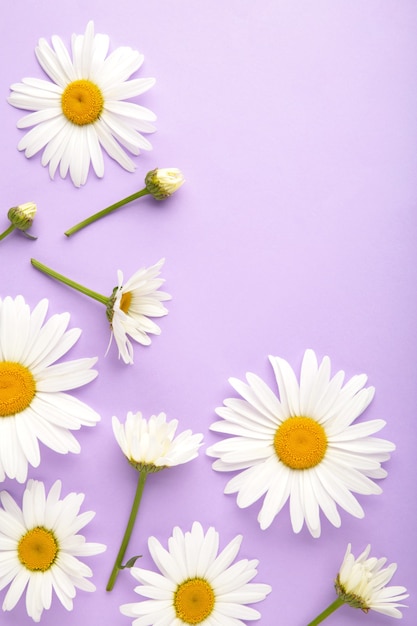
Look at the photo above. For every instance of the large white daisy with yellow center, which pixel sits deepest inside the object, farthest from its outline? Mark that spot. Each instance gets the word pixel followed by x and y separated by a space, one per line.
pixel 33 404
pixel 131 306
pixel 82 109
pixel 197 584
pixel 39 546
pixel 303 446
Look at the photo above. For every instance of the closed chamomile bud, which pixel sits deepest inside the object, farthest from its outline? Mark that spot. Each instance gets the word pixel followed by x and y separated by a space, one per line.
pixel 163 182
pixel 22 216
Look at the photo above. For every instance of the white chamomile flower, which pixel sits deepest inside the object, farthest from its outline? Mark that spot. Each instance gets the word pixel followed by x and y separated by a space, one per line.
pixel 131 307
pixel 302 446
pixel 39 546
pixel 361 583
pixel 33 404
pixel 150 446
pixel 82 109
pixel 152 443
pixel 197 584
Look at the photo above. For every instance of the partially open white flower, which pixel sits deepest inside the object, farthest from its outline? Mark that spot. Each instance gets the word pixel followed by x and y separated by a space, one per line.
pixel 197 584
pixel 361 583
pixel 81 109
pixel 302 446
pixel 163 182
pixel 151 444
pixel 39 546
pixel 132 305
pixel 33 405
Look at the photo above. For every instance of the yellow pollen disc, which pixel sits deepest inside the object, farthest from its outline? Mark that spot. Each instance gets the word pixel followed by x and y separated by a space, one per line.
pixel 37 549
pixel 300 442
pixel 82 102
pixel 194 600
pixel 125 301
pixel 17 388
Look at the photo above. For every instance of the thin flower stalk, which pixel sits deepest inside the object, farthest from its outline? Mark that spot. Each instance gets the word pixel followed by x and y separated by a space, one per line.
pixel 106 211
pixel 330 609
pixel 129 528
pixel 71 283
pixel 160 183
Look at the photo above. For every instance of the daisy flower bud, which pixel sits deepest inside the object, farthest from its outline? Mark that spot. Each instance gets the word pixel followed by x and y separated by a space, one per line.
pixel 159 183
pixel 21 218
pixel 162 183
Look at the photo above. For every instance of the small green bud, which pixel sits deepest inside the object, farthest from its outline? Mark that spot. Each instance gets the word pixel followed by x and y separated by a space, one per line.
pixel 22 216
pixel 162 183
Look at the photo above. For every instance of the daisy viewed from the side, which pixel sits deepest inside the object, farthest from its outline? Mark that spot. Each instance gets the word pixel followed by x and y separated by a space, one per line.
pixel 132 305
pixel 362 584
pixel 39 546
pixel 82 109
pixel 302 446
pixel 150 446
pixel 34 405
pixel 129 307
pixel 196 583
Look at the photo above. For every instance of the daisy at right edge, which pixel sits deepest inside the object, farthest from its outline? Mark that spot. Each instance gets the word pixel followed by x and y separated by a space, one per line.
pixel 197 585
pixel 362 584
pixel 302 446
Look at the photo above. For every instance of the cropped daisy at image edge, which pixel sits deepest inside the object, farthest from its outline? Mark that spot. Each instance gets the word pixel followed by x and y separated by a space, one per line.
pixel 302 446
pixel 197 584
pixel 39 546
pixel 82 109
pixel 362 584
pixel 34 405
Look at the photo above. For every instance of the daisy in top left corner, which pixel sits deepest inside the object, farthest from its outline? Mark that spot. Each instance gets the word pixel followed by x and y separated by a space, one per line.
pixel 34 405
pixel 82 109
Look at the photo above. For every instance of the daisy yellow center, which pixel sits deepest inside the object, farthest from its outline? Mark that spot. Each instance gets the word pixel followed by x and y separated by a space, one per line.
pixel 300 442
pixel 194 600
pixel 82 102
pixel 17 388
pixel 37 550
pixel 125 301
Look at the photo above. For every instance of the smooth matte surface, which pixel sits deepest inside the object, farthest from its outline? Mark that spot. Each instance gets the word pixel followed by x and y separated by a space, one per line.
pixel 295 125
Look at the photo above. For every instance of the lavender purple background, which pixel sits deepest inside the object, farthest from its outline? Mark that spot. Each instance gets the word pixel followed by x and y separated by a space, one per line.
pixel 295 123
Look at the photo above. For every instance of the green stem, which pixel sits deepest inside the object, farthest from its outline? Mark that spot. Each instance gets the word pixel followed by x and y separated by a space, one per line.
pixel 7 231
pixel 67 281
pixel 126 537
pixel 106 211
pixel 330 609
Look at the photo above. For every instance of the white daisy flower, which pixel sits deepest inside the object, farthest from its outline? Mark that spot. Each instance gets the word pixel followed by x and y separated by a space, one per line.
pixel 33 405
pixel 152 443
pixel 82 108
pixel 361 583
pixel 197 584
pixel 133 304
pixel 129 307
pixel 150 446
pixel 302 446
pixel 39 546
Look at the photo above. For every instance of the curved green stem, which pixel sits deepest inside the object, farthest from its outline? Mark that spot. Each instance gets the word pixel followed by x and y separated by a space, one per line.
pixel 106 211
pixel 7 231
pixel 126 537
pixel 67 281
pixel 330 609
